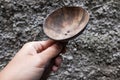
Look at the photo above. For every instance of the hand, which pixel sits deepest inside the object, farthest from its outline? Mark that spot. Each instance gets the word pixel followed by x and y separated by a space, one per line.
pixel 29 63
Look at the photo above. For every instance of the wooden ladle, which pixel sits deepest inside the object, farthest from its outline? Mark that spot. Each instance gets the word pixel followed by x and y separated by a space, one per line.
pixel 65 23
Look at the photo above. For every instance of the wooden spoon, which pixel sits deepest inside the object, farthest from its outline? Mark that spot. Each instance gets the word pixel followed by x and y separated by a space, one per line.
pixel 62 25
pixel 65 23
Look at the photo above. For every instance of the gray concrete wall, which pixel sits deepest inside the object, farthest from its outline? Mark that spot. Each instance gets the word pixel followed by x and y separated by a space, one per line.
pixel 93 55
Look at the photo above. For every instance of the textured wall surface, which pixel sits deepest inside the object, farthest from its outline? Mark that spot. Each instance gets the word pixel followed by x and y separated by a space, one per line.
pixel 94 55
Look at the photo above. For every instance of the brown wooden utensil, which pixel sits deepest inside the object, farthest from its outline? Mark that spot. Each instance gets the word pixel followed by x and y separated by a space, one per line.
pixel 65 23
pixel 62 25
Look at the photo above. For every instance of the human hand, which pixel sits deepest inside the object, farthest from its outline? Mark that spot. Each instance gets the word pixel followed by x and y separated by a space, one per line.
pixel 30 62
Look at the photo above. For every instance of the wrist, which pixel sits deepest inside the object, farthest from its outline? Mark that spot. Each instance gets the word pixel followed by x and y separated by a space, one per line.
pixel 4 75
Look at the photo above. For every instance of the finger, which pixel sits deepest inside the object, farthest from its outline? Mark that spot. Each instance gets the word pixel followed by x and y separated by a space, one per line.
pixel 42 45
pixel 58 61
pixel 55 68
pixel 50 53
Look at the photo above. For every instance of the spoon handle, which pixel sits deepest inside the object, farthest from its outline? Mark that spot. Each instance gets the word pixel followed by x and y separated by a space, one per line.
pixel 48 70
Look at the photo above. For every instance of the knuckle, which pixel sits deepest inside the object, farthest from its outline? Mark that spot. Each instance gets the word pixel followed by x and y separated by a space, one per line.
pixel 56 48
pixel 28 44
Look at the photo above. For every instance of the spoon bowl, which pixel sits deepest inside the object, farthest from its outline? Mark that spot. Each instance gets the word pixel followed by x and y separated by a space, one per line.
pixel 65 23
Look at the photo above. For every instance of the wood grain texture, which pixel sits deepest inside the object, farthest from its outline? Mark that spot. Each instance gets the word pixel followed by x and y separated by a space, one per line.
pixel 65 23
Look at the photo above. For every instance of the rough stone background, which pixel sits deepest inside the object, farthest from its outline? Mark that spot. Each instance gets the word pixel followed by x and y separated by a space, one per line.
pixel 94 55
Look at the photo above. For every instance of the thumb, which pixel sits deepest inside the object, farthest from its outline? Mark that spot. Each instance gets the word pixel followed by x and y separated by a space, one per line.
pixel 50 53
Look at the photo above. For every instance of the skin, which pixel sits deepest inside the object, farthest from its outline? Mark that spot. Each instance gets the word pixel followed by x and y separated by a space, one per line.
pixel 30 61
